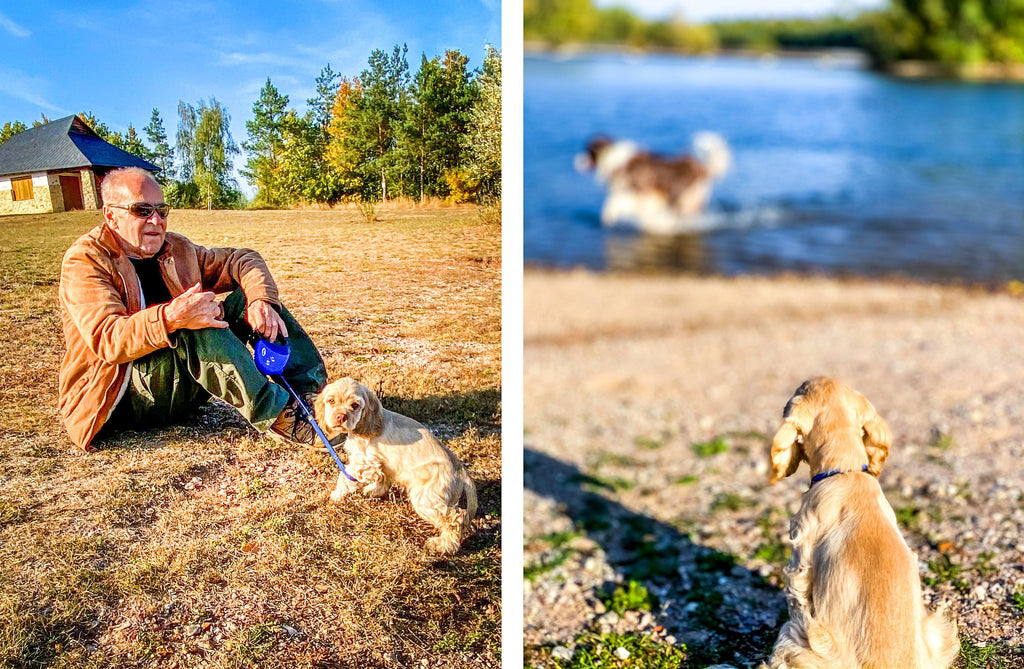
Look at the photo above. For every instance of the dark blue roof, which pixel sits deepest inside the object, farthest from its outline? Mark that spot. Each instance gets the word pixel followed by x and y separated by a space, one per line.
pixel 66 143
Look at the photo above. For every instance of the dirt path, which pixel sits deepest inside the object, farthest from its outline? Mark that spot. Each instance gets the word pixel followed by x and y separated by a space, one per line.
pixel 650 403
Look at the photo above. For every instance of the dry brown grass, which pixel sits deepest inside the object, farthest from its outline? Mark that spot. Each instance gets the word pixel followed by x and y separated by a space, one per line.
pixel 206 544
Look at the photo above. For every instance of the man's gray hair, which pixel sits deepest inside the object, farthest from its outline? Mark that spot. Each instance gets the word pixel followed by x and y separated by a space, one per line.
pixel 115 180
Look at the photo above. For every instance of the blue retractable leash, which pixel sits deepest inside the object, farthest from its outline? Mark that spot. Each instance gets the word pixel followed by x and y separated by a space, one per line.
pixel 271 359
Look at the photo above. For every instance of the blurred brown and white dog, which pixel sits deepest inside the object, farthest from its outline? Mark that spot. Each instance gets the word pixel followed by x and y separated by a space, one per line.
pixel 659 194
pixel 386 448
pixel 853 588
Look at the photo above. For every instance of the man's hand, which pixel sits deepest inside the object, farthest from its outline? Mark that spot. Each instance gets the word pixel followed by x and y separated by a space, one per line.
pixel 265 320
pixel 194 310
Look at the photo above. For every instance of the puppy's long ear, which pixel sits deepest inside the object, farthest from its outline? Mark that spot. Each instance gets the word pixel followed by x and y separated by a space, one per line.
pixel 877 438
pixel 786 451
pixel 371 420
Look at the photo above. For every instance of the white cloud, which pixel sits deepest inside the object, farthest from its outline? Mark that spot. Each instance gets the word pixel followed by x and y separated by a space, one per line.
pixel 13 28
pixel 265 58
pixel 28 88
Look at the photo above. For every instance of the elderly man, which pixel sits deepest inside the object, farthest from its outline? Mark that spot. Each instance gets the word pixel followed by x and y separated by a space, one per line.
pixel 147 342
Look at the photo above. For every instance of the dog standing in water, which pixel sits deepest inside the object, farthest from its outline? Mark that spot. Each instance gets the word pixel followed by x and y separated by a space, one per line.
pixel 650 192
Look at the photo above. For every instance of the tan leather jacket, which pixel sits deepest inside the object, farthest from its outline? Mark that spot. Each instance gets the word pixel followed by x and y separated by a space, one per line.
pixel 105 327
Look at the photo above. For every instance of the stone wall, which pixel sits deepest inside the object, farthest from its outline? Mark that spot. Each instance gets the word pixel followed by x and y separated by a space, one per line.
pixel 44 192
pixel 90 192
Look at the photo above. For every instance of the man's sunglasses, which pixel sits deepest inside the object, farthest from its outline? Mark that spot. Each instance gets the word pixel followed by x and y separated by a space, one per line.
pixel 145 209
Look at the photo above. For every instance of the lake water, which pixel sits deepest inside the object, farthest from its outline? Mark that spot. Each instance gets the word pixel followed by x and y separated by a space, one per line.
pixel 836 170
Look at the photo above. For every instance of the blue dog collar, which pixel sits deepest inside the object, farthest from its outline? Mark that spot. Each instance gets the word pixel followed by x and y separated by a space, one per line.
pixel 824 475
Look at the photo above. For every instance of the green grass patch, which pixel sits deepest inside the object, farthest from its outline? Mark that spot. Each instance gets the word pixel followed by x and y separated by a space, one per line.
pixel 254 489
pixel 988 656
pixel 638 652
pixel 601 459
pixel 707 449
pixel 944 570
pixel 631 597
pixel 687 479
pixel 555 557
pixel 595 484
pixel 774 553
pixel 729 501
pixel 648 443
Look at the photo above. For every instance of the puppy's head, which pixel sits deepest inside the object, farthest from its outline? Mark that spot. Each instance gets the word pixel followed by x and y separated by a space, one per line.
pixel 588 159
pixel 348 406
pixel 828 424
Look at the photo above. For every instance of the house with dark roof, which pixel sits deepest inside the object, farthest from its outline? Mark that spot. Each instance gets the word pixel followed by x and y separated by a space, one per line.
pixel 58 166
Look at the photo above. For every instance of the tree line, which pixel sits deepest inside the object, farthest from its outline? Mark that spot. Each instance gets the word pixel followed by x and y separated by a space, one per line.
pixel 385 133
pixel 942 31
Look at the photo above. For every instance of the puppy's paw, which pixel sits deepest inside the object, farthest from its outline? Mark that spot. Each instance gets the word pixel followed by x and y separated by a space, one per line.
pixel 442 545
pixel 342 490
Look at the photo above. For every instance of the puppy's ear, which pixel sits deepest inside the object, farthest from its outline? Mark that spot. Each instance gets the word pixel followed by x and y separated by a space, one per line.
pixel 371 420
pixel 786 451
pixel 877 438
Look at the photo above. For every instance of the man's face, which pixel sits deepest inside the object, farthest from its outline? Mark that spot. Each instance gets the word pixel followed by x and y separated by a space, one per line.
pixel 141 237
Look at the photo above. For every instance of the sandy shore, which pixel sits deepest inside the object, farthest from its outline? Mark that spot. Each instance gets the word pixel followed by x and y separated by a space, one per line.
pixel 650 401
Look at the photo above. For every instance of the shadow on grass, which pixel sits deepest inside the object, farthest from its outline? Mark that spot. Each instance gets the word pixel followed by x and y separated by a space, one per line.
pixel 706 598
pixel 481 407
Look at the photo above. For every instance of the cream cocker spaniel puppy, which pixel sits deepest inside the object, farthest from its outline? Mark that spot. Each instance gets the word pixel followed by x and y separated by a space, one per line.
pixel 386 448
pixel 853 588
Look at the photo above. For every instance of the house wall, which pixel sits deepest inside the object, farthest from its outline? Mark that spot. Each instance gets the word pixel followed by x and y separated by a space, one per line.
pixel 46 195
pixel 90 191
pixel 47 192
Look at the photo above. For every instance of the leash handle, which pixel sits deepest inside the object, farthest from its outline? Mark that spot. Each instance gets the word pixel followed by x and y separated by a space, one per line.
pixel 319 432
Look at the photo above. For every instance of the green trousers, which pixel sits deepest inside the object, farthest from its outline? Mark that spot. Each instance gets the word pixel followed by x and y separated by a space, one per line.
pixel 169 384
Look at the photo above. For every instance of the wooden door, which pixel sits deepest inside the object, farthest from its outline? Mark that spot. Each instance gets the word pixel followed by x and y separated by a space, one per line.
pixel 71 187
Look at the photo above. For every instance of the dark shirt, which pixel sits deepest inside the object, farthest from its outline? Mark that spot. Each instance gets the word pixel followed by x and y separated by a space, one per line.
pixel 153 287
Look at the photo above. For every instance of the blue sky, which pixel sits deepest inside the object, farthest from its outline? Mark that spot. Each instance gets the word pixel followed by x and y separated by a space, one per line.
pixel 119 60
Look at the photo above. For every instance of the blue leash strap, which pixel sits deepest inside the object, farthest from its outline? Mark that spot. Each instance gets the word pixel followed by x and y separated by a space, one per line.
pixel 319 432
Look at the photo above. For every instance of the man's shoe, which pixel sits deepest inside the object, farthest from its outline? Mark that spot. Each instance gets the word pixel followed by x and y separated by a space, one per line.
pixel 292 427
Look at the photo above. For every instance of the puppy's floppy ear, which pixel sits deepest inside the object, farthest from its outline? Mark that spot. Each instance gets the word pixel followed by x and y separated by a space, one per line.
pixel 787 446
pixel 786 451
pixel 877 438
pixel 371 420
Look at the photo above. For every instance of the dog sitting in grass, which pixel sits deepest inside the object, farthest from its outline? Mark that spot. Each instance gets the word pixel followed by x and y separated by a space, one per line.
pixel 853 587
pixel 386 448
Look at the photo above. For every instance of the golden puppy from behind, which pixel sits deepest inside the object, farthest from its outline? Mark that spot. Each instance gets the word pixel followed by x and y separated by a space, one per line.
pixel 386 448
pixel 853 589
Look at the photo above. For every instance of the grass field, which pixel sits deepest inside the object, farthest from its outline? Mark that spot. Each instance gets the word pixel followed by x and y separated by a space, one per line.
pixel 208 545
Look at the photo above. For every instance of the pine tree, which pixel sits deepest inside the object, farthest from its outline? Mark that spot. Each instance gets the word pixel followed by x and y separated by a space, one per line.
pixel 161 155
pixel 266 145
pixel 10 129
pixel 371 127
pixel 441 98
pixel 306 174
pixel 97 126
pixel 131 143
pixel 327 85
